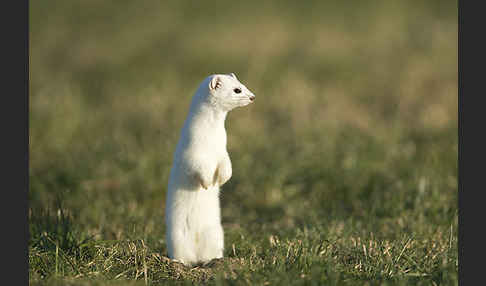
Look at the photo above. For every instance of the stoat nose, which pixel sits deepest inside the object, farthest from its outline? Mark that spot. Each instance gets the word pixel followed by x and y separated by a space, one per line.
pixel 252 97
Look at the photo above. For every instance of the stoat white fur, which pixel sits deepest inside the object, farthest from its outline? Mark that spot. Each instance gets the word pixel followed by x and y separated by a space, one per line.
pixel 201 165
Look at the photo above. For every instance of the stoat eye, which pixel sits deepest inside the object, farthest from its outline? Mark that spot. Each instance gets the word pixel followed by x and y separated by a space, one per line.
pixel 237 90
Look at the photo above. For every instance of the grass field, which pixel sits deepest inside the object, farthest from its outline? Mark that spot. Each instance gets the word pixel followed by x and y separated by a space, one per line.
pixel 344 168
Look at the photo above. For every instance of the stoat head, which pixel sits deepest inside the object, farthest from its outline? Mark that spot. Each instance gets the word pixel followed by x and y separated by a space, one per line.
pixel 227 92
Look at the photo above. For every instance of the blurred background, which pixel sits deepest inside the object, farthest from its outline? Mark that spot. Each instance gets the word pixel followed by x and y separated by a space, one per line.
pixel 355 117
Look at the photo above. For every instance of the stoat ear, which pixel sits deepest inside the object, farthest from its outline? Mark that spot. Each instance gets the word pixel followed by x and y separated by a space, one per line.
pixel 233 75
pixel 215 83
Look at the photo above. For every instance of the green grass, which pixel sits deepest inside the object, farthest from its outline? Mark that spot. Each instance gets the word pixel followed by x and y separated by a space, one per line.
pixel 344 168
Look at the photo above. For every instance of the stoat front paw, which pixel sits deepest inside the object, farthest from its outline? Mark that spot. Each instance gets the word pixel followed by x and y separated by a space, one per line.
pixel 222 174
pixel 205 184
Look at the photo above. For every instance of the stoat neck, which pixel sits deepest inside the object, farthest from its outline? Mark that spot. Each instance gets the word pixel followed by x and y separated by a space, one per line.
pixel 213 114
pixel 205 122
pixel 208 114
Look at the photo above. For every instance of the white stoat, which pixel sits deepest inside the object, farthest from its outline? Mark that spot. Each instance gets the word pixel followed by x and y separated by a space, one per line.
pixel 201 165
